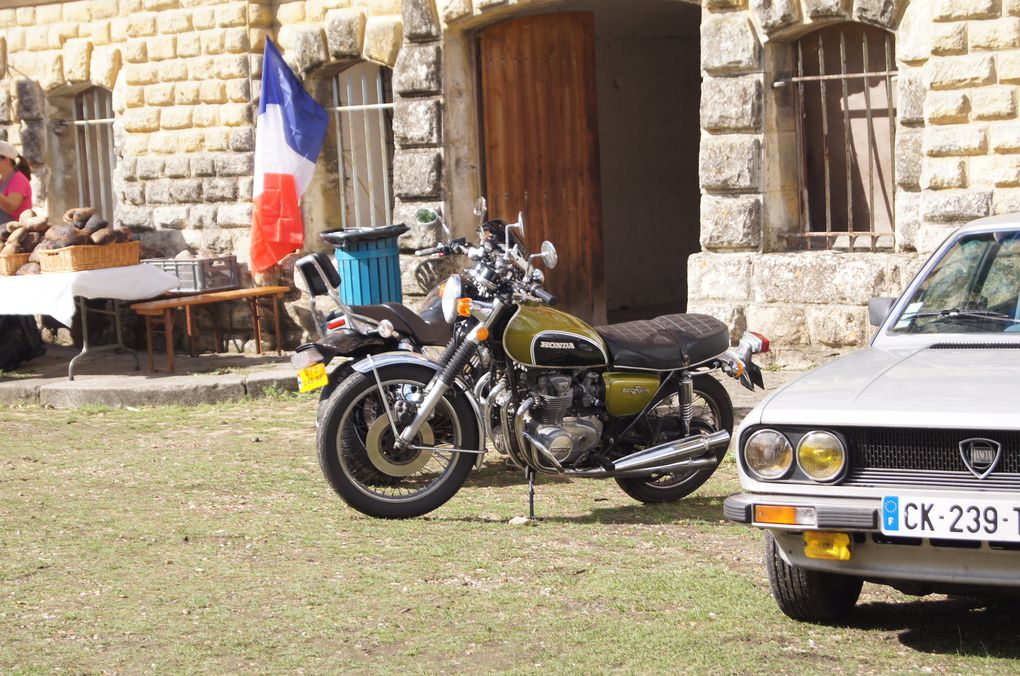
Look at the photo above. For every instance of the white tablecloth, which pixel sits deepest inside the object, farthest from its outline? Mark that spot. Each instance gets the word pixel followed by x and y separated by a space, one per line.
pixel 53 293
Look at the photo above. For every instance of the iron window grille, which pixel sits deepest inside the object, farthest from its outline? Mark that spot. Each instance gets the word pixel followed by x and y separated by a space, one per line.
pixel 846 173
pixel 362 114
pixel 93 124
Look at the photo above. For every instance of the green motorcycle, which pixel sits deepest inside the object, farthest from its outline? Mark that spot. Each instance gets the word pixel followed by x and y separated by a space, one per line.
pixel 634 402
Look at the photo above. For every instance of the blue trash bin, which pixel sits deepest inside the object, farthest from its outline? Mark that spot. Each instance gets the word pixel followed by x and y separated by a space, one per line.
pixel 368 260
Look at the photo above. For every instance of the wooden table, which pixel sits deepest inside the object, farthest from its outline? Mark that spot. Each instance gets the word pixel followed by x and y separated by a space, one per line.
pixel 158 312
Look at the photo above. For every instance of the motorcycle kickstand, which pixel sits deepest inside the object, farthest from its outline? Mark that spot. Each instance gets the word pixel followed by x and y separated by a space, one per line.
pixel 530 473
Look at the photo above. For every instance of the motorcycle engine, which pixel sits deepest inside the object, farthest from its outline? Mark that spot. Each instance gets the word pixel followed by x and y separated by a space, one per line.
pixel 558 421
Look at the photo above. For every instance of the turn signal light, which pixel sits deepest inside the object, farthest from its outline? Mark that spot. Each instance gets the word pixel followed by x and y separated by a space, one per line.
pixel 784 515
pixel 826 545
pixel 464 307
pixel 482 333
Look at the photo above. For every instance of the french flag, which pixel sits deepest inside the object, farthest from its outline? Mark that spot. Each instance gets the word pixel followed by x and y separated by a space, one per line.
pixel 288 138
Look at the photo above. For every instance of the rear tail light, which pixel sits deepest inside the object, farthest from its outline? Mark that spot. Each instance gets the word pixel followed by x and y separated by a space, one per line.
pixel 334 324
pixel 764 342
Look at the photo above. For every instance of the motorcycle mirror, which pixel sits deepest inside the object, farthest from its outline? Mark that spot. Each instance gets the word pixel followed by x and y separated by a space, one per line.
pixel 549 255
pixel 520 222
pixel 480 207
pixel 519 226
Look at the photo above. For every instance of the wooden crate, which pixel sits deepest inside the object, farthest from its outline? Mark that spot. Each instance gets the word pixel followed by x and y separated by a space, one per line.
pixel 89 257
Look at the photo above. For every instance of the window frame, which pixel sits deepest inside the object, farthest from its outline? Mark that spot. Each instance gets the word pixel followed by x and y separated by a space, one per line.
pixel 93 120
pixel 839 229
pixel 382 146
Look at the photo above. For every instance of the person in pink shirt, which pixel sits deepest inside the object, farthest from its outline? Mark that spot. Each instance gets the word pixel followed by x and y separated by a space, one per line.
pixel 15 190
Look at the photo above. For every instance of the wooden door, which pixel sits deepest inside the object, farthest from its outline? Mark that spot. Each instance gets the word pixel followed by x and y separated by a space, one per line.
pixel 540 144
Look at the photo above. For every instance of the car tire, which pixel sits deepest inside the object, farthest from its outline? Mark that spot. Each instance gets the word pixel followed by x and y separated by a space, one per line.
pixel 809 595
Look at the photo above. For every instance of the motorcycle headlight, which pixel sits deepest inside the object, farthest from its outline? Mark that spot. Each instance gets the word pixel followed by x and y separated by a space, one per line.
pixel 451 292
pixel 821 455
pixel 768 454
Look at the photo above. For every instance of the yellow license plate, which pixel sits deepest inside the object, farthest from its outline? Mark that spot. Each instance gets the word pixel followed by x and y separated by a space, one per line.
pixel 312 377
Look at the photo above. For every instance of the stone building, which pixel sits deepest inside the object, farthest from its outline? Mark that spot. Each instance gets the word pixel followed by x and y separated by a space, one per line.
pixel 772 162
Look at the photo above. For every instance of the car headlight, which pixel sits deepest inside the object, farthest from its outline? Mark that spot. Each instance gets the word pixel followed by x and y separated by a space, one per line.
pixel 451 292
pixel 821 455
pixel 768 454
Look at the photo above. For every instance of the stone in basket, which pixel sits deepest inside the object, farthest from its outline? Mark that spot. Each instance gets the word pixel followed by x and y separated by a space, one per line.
pixel 89 257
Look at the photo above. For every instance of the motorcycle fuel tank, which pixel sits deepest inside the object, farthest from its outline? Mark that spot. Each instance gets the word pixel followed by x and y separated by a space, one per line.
pixel 538 335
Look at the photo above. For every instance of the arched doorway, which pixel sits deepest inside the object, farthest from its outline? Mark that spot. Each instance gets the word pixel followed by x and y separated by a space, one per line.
pixel 590 125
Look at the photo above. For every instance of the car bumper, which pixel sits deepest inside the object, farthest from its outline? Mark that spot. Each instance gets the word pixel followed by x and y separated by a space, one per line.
pixel 913 564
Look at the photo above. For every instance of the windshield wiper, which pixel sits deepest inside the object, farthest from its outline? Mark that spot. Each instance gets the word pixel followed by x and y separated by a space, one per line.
pixel 957 313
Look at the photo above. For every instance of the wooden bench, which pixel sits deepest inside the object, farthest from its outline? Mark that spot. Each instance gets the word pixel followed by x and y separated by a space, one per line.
pixel 158 312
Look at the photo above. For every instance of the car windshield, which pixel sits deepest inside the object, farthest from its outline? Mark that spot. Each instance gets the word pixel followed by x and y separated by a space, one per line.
pixel 973 289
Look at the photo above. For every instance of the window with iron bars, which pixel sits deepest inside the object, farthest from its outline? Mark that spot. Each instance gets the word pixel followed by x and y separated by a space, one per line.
pixel 846 133
pixel 362 115
pixel 93 124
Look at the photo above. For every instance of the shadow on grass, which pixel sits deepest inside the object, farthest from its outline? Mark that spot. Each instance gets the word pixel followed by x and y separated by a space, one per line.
pixel 706 509
pixel 956 626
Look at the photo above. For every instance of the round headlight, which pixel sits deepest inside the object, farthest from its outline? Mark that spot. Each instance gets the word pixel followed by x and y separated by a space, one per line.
pixel 821 455
pixel 768 454
pixel 451 292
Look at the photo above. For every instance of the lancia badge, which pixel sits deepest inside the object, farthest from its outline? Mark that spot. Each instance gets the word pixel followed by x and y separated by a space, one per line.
pixel 980 455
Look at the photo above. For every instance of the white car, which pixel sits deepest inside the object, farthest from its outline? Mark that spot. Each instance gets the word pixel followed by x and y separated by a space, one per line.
pixel 900 464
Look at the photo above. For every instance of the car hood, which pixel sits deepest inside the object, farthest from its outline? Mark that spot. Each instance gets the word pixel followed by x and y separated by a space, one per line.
pixel 968 387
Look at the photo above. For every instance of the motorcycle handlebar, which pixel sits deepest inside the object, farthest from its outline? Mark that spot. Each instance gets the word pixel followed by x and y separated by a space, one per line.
pixel 431 250
pixel 546 297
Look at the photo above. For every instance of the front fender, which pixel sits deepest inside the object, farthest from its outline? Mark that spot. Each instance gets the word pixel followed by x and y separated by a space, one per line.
pixel 414 358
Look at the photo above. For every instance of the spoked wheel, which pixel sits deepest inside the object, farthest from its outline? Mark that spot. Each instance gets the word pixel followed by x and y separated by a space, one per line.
pixel 713 411
pixel 363 465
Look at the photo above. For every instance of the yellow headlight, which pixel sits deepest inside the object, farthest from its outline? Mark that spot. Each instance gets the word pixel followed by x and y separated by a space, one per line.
pixel 768 454
pixel 821 455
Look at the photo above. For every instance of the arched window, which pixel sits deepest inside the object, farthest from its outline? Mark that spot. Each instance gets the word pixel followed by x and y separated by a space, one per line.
pixel 362 114
pixel 846 129
pixel 93 123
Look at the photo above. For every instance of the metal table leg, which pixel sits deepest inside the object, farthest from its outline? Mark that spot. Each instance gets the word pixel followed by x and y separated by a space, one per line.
pixel 86 349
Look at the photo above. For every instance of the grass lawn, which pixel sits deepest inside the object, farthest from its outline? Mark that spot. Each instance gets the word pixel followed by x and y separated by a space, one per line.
pixel 206 540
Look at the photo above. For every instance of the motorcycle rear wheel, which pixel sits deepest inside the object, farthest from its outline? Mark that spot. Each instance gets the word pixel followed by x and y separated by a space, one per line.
pixel 713 411
pixel 358 458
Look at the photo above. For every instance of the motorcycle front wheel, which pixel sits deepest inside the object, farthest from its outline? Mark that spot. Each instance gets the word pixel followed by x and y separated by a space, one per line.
pixel 713 411
pixel 359 459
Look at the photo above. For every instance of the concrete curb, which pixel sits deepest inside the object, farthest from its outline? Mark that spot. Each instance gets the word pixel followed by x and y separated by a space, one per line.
pixel 109 380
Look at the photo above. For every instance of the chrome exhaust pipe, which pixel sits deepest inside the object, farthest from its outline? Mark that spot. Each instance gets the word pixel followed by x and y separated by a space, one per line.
pixel 679 455
pixel 673 451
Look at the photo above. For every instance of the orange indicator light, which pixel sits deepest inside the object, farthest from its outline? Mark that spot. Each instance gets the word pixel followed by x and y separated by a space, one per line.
pixel 785 515
pixel 464 307
pixel 775 514
pixel 482 333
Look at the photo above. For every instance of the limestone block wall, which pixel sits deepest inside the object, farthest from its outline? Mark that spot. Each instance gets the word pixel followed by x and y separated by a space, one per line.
pixel 956 110
pixel 185 78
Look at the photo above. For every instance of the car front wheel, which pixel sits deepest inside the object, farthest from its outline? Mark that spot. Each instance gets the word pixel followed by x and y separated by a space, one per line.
pixel 809 595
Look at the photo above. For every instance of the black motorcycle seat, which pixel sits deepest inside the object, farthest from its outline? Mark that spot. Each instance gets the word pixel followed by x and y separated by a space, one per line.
pixel 666 342
pixel 406 321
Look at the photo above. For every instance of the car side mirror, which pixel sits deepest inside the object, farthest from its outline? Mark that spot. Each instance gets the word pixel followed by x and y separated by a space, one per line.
pixel 879 309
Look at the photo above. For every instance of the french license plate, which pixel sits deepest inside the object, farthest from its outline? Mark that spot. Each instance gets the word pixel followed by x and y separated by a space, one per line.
pixel 312 377
pixel 951 518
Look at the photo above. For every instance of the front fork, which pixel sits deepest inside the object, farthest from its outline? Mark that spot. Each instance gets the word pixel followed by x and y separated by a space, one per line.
pixel 445 378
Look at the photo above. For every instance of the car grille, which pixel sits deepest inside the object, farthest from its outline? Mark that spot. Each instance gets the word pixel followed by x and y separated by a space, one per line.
pixel 927 457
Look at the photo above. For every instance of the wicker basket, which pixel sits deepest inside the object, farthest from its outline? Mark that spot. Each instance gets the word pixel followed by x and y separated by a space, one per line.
pixel 9 264
pixel 89 257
